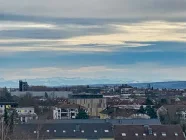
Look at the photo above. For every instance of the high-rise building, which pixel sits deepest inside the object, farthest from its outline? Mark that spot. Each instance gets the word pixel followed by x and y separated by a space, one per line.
pixel 148 86
pixel 23 86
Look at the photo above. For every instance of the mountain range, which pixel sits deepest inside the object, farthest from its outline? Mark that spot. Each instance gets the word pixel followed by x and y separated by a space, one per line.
pixel 62 81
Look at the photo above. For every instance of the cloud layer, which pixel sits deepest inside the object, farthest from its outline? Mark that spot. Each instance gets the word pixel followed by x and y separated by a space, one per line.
pixel 149 9
pixel 109 39
pixel 28 36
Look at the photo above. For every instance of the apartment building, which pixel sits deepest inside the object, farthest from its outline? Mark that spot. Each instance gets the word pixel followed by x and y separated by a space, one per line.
pixel 26 113
pixel 148 132
pixel 66 111
pixel 23 86
pixel 94 103
pixel 6 105
pixel 96 129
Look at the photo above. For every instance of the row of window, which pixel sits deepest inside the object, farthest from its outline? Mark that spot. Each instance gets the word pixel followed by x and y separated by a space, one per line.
pixel 155 134
pixel 25 111
pixel 66 110
pixel 64 131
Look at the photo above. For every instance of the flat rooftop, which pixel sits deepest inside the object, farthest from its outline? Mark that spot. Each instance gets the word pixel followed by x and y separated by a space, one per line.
pixel 85 96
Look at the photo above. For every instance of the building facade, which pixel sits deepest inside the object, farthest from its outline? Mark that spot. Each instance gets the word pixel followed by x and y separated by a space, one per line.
pixel 66 111
pixel 23 86
pixel 26 113
pixel 172 113
pixel 96 129
pixel 94 103
pixel 6 105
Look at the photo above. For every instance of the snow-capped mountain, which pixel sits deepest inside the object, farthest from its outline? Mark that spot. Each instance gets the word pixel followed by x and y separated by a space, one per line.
pixel 63 81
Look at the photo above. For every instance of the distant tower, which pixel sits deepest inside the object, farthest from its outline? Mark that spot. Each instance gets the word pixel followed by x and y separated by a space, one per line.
pixel 23 86
pixel 20 85
pixel 148 86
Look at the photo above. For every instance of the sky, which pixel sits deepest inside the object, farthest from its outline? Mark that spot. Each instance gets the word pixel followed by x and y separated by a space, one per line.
pixel 112 40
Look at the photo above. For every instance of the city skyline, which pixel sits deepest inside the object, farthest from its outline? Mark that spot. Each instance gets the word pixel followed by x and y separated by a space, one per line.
pixel 120 40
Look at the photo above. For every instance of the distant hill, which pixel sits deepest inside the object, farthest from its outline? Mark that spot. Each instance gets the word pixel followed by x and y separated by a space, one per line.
pixel 169 85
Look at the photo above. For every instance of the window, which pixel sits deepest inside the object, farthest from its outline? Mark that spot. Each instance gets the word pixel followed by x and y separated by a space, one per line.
pixel 106 131
pixel 95 131
pixel 123 134
pixel 64 110
pixel 72 114
pixel 155 134
pixel 64 114
pixel 54 131
pixel 176 134
pixel 48 130
pixel 64 131
pixel 100 101
pixel 136 134
pixel 163 134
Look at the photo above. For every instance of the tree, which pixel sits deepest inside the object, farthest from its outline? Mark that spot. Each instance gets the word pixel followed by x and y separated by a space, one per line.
pixel 5 95
pixel 11 121
pixel 148 102
pixel 6 119
pixel 46 95
pixel 151 112
pixel 82 114
pixel 27 100
pixel 141 110
pixel 184 127
pixel 163 101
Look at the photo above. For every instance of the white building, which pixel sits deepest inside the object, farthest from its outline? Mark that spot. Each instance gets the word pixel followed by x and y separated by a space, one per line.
pixel 181 114
pixel 6 105
pixel 66 111
pixel 26 113
pixel 132 106
pixel 139 116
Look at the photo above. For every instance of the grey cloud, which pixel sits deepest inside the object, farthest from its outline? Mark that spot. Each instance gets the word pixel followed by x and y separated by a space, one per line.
pixel 60 33
pixel 150 9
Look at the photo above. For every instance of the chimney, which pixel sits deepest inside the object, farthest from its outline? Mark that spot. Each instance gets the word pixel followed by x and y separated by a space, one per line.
pixel 77 127
pixel 120 121
pixel 148 130
pixel 107 120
